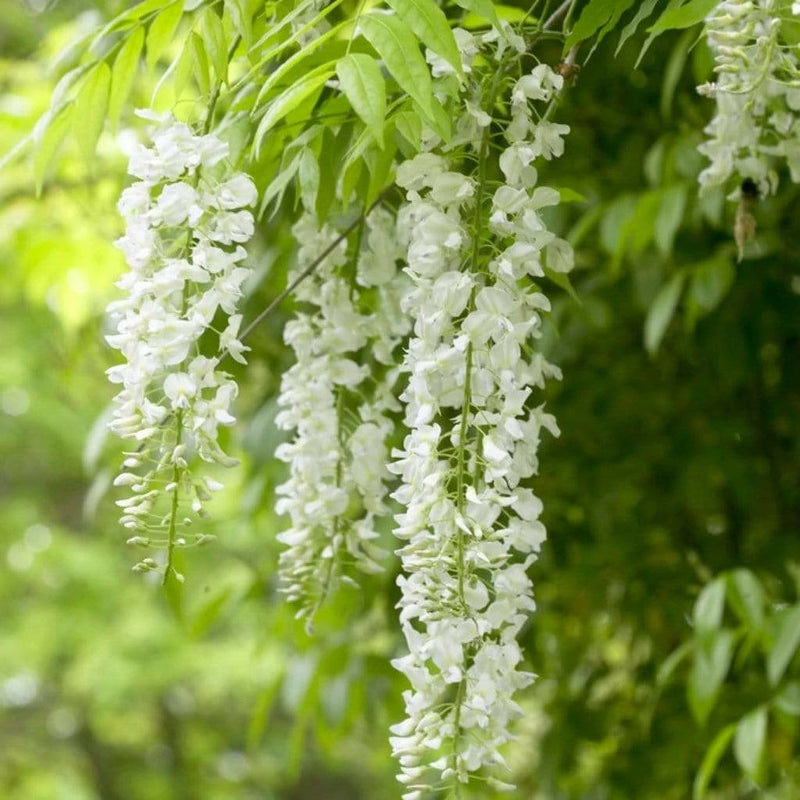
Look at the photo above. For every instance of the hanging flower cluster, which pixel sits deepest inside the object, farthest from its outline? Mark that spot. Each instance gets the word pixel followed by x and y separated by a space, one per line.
pixel 757 91
pixel 337 457
pixel 470 527
pixel 186 224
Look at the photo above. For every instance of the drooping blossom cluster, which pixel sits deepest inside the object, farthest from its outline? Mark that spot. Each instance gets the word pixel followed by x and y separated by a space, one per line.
pixel 470 523
pixel 186 224
pixel 757 91
pixel 337 456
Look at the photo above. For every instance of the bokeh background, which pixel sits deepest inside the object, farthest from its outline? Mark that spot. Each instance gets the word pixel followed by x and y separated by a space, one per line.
pixel 678 463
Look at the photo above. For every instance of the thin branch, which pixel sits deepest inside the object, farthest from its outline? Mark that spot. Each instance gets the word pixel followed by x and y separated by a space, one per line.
pixel 557 14
pixel 312 266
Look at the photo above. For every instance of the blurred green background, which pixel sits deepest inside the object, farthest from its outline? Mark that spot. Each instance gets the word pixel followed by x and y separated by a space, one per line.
pixel 675 466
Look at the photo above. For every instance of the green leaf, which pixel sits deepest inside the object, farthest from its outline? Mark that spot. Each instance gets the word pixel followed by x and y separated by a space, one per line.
pixel 161 32
pixel 660 313
pixel 123 74
pixel 746 596
pixel 409 125
pixel 568 195
pixel 748 744
pixel 398 48
pixel 308 177
pixel 91 105
pixel 289 100
pixel 711 281
pixel 709 606
pixel 50 133
pixel 710 761
pixel 215 43
pixel 127 19
pixel 596 15
pixel 644 11
pixel 241 19
pixel 363 85
pixel 431 27
pixel 673 71
pixel 277 75
pixel 672 661
pixel 788 700
pixel 712 659
pixel 679 15
pixel 669 217
pixel 787 638
pixel 483 8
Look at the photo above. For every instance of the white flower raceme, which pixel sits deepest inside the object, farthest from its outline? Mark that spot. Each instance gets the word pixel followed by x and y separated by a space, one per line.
pixel 757 91
pixel 337 456
pixel 183 243
pixel 470 523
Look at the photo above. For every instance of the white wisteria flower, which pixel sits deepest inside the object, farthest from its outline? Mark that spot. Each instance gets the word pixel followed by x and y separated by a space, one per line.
pixel 183 215
pixel 337 456
pixel 470 523
pixel 757 91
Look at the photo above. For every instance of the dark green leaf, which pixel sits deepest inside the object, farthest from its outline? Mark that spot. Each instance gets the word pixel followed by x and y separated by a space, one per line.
pixel 672 661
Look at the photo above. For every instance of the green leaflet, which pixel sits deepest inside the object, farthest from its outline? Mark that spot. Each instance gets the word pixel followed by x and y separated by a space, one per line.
pixel 310 50
pixel 288 101
pixel 710 761
pixel 661 312
pixel 49 140
pixel 215 43
pixel 598 15
pixel 398 47
pixel 712 659
pixel 748 744
pixel 363 85
pixel 677 16
pixel 644 11
pixel 193 63
pixel 91 105
pixel 241 19
pixel 431 27
pixel 710 604
pixel 123 73
pixel 483 8
pixel 786 642
pixel 161 32
pixel 127 19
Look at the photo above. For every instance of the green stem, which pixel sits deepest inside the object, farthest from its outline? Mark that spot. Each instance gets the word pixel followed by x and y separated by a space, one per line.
pixel 173 514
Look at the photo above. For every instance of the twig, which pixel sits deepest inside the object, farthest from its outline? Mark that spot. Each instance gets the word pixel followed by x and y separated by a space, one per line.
pixel 557 14
pixel 312 266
